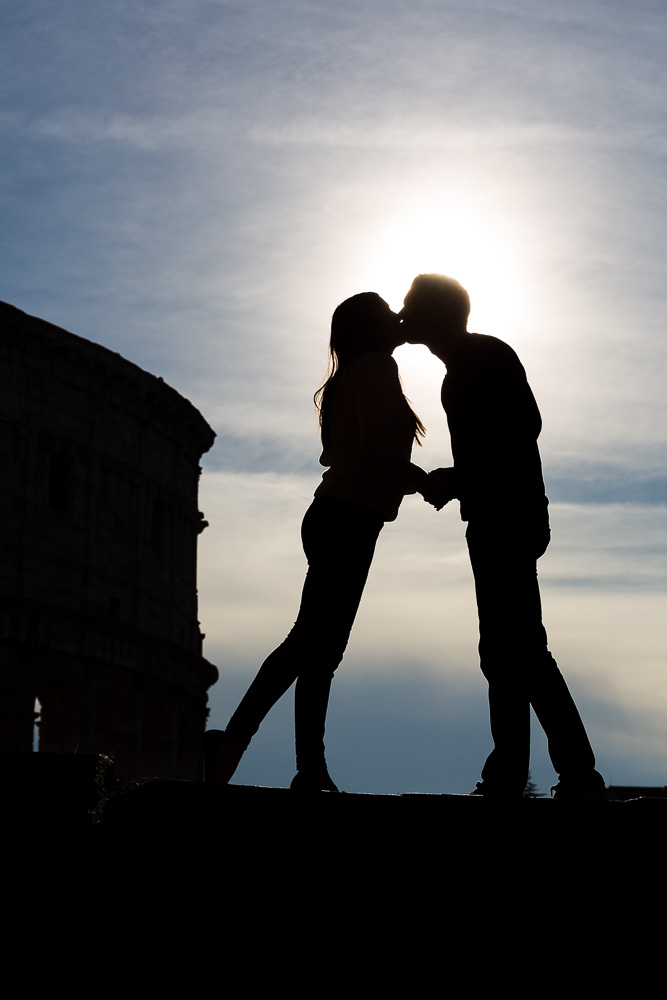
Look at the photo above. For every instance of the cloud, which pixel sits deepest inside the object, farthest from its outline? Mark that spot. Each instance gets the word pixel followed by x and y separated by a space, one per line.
pixel 409 706
pixel 607 482
pixel 198 185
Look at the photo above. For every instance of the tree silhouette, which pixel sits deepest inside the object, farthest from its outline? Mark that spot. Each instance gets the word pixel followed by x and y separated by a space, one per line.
pixel 531 791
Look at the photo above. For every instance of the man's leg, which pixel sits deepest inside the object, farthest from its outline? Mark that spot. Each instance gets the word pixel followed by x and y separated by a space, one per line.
pixel 569 747
pixel 520 669
pixel 502 600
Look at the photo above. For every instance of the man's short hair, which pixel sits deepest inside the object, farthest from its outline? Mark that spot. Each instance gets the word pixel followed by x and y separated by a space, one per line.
pixel 438 293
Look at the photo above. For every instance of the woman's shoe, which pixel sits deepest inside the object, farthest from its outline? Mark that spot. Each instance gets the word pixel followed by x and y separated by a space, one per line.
pixel 314 779
pixel 221 757
pixel 499 793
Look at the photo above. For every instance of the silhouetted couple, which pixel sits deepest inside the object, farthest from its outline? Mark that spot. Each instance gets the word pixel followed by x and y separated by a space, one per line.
pixel 368 429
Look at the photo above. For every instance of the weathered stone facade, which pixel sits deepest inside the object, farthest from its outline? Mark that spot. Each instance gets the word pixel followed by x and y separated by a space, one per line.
pixel 98 534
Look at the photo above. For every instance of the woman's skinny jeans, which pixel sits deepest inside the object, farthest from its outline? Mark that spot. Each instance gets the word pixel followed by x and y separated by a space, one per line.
pixel 339 541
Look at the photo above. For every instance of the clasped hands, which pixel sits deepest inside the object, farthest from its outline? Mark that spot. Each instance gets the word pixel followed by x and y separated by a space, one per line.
pixel 441 487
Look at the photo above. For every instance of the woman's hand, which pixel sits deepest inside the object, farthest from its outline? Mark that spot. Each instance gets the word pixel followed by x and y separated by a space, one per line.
pixel 441 487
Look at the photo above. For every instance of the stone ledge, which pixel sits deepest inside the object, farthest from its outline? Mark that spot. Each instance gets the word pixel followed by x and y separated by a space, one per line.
pixel 182 885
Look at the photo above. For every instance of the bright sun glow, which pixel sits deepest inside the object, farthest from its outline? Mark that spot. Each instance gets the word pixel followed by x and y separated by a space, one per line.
pixel 450 241
pixel 464 244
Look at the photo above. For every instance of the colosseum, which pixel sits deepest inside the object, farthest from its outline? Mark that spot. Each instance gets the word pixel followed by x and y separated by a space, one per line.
pixel 99 525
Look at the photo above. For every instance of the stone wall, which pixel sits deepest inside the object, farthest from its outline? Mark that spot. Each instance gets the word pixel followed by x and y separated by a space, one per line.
pixel 98 535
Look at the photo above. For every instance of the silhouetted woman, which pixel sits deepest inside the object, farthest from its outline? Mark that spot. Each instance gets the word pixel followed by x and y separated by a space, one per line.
pixel 368 429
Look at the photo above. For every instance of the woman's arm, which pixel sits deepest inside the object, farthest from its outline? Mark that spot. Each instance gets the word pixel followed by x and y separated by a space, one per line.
pixel 386 423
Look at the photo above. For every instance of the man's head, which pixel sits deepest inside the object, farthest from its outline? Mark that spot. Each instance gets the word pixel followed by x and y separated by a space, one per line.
pixel 435 309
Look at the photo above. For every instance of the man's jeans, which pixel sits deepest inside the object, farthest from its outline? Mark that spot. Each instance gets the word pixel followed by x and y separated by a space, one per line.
pixel 517 664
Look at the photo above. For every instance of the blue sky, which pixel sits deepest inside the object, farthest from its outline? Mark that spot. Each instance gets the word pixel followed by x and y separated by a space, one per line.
pixel 197 185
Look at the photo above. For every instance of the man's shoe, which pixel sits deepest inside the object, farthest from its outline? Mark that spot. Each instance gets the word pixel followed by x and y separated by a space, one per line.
pixel 589 789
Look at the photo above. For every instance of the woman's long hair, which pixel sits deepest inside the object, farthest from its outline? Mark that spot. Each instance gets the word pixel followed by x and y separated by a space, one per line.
pixel 357 325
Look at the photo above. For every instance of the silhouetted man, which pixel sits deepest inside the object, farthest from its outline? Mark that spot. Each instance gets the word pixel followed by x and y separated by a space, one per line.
pixel 494 424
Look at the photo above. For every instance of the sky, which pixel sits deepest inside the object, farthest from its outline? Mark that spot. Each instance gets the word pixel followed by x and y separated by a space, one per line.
pixel 196 184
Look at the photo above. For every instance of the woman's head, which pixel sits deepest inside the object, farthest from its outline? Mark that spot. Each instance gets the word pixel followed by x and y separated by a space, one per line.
pixel 362 323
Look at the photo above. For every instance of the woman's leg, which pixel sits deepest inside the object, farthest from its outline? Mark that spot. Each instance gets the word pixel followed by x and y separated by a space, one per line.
pixel 339 541
pixel 340 548
pixel 274 677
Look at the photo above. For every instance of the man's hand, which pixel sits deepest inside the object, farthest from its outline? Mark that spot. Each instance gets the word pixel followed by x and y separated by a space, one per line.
pixel 441 487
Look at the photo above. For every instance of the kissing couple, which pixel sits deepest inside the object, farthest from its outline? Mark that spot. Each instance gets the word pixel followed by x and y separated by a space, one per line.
pixel 368 429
